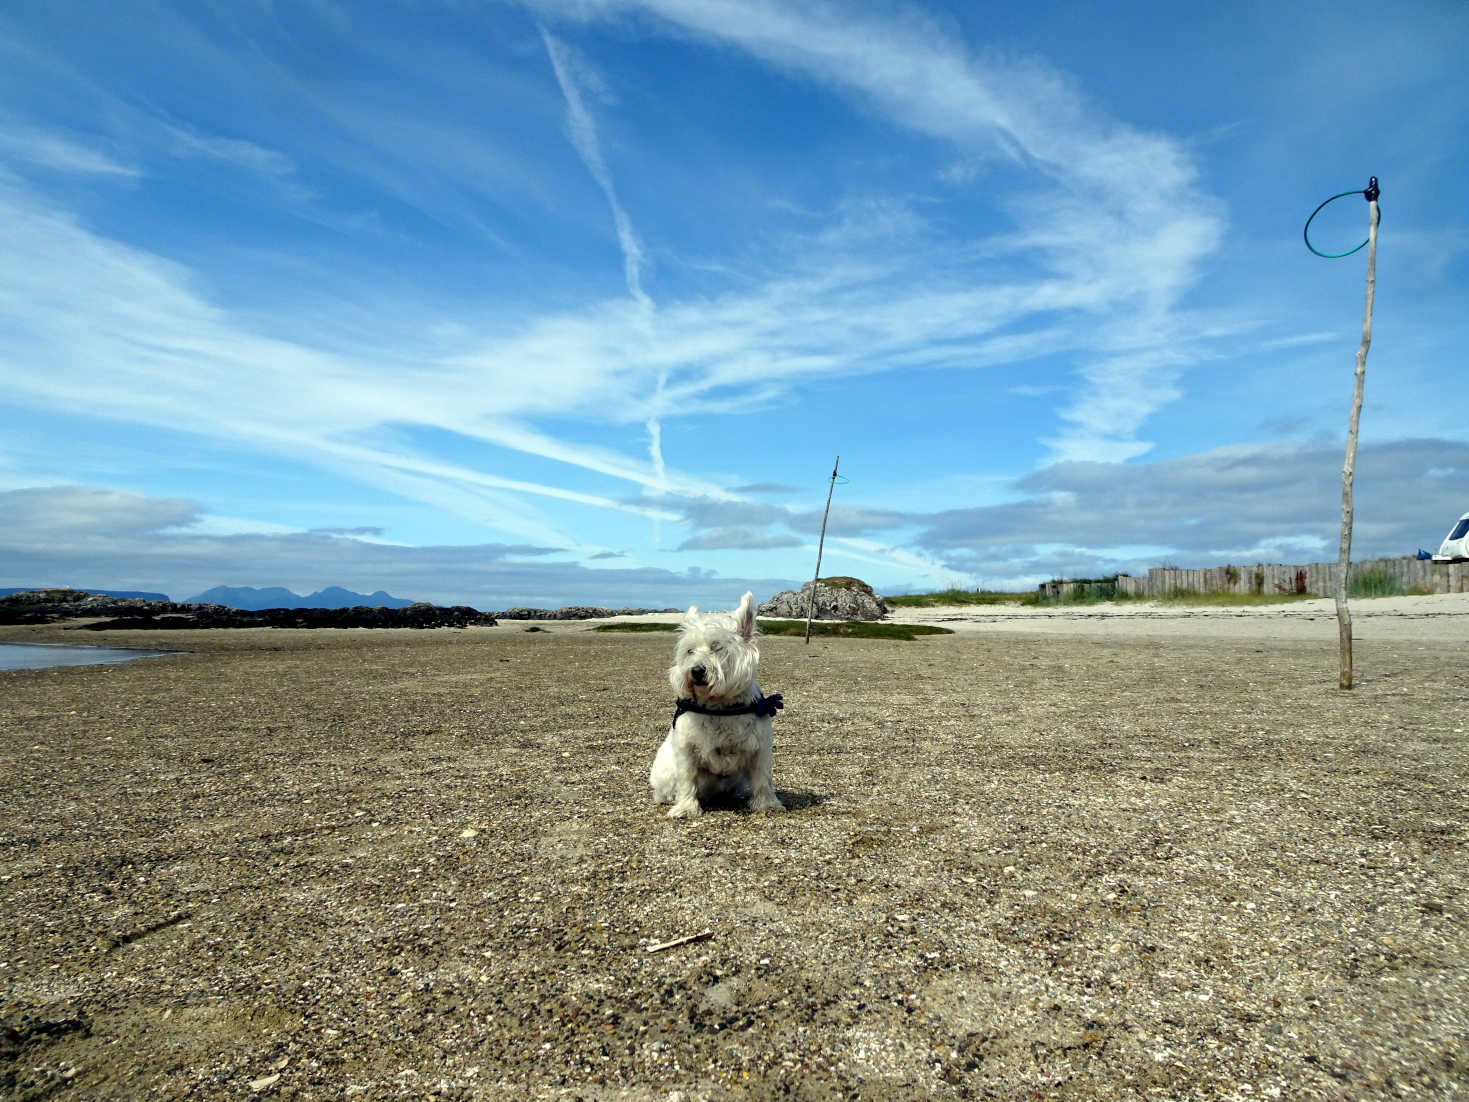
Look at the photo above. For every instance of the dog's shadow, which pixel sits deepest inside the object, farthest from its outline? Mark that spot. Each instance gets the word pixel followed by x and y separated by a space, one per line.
pixel 794 801
pixel 800 801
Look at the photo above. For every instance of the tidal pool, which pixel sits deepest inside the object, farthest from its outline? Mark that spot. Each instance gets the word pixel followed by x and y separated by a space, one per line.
pixel 39 656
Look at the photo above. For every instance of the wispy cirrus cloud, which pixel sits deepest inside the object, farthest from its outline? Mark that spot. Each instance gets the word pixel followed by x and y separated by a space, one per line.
pixel 1132 252
pixel 742 350
pixel 174 358
pixel 58 152
pixel 740 539
pixel 164 356
pixel 186 142
pixel 575 78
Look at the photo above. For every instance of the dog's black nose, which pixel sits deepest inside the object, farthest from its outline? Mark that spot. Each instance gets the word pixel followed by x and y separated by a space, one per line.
pixel 697 675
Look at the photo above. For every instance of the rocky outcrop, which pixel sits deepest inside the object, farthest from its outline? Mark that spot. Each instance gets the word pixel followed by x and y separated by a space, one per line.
pixel 43 606
pixel 143 594
pixel 218 616
pixel 836 599
pixel 576 612
pixel 112 614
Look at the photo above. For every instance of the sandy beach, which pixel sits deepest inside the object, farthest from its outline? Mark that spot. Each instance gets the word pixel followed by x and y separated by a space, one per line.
pixel 1116 853
pixel 1441 617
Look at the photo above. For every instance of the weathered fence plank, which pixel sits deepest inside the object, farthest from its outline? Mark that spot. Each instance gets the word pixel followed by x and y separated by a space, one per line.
pixel 1319 578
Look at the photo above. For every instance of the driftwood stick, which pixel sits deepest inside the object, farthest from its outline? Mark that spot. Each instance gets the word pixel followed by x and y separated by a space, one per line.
pixel 820 545
pixel 676 942
pixel 1343 613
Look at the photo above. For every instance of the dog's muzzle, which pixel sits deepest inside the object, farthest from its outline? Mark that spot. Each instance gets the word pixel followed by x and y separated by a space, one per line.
pixel 699 676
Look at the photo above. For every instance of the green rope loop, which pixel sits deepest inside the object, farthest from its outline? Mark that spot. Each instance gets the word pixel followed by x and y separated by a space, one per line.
pixel 1306 233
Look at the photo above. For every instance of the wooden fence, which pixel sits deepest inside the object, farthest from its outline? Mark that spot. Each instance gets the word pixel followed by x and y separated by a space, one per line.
pixel 1318 578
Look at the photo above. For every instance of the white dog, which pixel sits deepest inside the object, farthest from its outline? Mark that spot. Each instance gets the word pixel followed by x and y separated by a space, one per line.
pixel 721 737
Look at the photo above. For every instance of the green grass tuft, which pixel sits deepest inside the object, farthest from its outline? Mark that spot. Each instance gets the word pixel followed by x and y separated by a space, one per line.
pixel 959 597
pixel 851 629
pixel 843 581
pixel 1192 597
pixel 845 629
pixel 1373 582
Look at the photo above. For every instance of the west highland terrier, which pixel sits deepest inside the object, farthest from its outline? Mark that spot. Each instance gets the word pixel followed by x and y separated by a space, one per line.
pixel 721 738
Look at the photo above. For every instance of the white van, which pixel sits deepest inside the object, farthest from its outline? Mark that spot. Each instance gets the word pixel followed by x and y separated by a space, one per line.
pixel 1456 544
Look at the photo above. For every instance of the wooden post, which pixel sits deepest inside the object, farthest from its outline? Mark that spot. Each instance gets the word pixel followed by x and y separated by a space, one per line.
pixel 811 606
pixel 1343 613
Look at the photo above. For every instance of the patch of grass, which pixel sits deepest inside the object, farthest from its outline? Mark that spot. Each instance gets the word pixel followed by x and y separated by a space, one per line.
pixel 846 629
pixel 1086 591
pixel 1085 595
pixel 1192 597
pixel 842 581
pixel 851 629
pixel 960 597
pixel 1373 582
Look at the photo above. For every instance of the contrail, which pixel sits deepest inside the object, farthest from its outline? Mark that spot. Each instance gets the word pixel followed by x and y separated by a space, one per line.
pixel 583 133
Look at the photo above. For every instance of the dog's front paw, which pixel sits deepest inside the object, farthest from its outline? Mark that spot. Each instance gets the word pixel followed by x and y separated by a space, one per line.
pixel 766 802
pixel 686 809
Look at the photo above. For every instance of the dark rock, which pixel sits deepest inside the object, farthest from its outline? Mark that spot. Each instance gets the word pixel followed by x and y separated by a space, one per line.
pixel 113 614
pixel 144 594
pixel 577 612
pixel 43 606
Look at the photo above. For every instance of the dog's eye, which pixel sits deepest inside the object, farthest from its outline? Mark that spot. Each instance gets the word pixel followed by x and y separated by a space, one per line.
pixel 716 647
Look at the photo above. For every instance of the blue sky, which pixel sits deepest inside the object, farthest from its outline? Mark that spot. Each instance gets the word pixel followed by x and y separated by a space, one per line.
pixel 575 301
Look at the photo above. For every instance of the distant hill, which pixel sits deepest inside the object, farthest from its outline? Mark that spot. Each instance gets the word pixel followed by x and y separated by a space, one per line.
pixel 251 599
pixel 128 593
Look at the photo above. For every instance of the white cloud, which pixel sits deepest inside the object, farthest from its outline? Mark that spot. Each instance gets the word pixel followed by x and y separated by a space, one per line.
pixel 112 540
pixel 929 570
pixel 43 518
pixel 1243 502
pixel 727 537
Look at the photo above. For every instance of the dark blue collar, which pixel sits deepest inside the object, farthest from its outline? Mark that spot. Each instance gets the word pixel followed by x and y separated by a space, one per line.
pixel 761 706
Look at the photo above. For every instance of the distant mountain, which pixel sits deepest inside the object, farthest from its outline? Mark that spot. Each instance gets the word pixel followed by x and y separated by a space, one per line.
pixel 129 593
pixel 251 599
pixel 248 597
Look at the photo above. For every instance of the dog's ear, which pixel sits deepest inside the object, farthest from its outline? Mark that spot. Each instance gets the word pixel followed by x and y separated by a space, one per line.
pixel 692 613
pixel 744 617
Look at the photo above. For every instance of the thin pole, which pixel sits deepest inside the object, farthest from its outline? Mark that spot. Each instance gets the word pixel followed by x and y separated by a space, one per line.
pixel 811 607
pixel 1343 613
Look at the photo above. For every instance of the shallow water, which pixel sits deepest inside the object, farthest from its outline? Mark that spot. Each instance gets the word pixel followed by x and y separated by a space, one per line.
pixel 39 656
